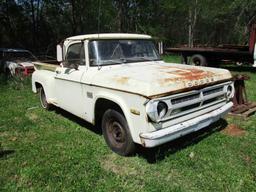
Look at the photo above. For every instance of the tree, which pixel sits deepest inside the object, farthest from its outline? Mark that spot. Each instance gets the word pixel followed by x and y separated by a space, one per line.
pixel 40 24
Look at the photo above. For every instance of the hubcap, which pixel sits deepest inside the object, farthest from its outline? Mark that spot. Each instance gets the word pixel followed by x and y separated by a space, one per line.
pixel 197 62
pixel 43 99
pixel 116 133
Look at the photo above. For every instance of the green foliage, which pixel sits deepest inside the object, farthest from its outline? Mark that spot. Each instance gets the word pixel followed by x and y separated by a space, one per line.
pixel 18 82
pixel 40 24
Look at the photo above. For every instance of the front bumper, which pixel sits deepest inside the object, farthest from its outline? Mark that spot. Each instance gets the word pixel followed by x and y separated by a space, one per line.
pixel 170 133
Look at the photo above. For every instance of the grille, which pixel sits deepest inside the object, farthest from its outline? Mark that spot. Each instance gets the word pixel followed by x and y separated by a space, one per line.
pixel 186 103
pixel 209 92
pixel 184 99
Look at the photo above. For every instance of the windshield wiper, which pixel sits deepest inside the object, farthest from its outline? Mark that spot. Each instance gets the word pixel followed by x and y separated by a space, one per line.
pixel 142 58
pixel 117 61
pixel 113 61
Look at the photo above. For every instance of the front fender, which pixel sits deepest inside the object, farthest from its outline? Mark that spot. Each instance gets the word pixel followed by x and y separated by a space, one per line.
pixel 127 102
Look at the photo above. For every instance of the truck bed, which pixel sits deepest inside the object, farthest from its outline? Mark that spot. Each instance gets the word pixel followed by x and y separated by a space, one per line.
pixel 50 65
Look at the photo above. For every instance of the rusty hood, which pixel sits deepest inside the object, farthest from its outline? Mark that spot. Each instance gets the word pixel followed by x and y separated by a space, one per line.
pixel 155 79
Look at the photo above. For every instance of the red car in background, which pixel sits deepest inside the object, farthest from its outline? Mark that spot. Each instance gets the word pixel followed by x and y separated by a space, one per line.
pixel 16 62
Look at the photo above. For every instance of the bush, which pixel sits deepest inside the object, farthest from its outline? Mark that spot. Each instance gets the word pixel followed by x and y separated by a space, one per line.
pixel 17 82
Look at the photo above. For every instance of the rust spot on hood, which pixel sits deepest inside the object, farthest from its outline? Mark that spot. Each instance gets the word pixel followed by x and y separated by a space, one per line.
pixel 122 80
pixel 180 74
pixel 191 74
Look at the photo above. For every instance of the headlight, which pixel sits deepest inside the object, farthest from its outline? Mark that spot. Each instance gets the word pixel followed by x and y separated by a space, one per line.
pixel 162 109
pixel 156 110
pixel 230 91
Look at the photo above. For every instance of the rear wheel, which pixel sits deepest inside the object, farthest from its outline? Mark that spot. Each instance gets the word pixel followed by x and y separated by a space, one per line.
pixel 8 74
pixel 43 99
pixel 198 60
pixel 239 63
pixel 116 133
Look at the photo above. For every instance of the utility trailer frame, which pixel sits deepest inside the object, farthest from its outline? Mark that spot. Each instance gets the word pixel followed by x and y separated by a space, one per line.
pixel 211 55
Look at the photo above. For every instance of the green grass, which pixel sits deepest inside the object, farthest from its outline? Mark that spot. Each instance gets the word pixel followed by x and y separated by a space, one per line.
pixel 55 151
pixel 172 58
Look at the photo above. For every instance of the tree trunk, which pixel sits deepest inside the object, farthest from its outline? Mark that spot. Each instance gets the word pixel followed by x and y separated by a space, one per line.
pixel 190 34
pixel 33 23
pixel 119 16
pixel 193 12
pixel 73 17
pixel 122 15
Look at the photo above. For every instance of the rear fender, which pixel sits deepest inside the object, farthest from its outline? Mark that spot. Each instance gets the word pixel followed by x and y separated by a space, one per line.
pixel 46 80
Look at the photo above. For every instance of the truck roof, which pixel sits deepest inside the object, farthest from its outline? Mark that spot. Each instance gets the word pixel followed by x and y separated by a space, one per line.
pixel 109 36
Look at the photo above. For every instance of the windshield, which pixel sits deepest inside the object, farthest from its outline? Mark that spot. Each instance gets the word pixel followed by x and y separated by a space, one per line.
pixel 23 56
pixel 109 52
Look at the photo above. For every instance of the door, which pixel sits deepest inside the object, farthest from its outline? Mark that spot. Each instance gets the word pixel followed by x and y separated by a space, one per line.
pixel 69 90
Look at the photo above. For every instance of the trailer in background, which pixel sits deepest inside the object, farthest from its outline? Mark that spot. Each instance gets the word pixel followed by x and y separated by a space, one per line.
pixel 204 56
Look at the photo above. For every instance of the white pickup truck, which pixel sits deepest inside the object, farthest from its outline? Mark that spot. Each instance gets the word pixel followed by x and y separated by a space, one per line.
pixel 119 83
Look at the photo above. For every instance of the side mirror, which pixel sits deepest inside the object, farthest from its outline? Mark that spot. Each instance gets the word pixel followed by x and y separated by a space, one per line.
pixel 59 53
pixel 75 66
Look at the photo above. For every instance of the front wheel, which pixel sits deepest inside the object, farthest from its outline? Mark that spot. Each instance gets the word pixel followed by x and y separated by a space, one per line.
pixel 43 99
pixel 116 133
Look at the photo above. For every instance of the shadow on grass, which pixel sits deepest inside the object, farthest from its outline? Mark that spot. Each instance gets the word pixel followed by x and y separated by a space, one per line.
pixel 5 153
pixel 78 120
pixel 153 155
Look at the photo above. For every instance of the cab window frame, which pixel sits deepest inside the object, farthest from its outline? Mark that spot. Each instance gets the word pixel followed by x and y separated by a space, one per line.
pixel 81 61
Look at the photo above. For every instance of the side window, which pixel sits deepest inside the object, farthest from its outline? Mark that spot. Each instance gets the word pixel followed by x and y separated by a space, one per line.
pixel 75 54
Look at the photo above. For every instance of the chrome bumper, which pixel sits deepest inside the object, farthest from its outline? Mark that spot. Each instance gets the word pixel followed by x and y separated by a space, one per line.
pixel 170 133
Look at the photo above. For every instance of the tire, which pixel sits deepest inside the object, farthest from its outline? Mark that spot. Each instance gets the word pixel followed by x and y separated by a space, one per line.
pixel 116 133
pixel 8 74
pixel 183 59
pixel 43 99
pixel 239 64
pixel 198 60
